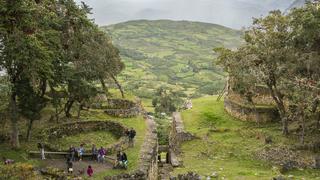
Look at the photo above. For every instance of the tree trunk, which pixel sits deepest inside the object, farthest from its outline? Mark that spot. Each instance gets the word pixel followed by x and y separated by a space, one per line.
pixel 103 84
pixel 14 139
pixel 67 108
pixel 29 129
pixel 318 122
pixel 79 110
pixel 303 132
pixel 285 129
pixel 282 110
pixel 118 84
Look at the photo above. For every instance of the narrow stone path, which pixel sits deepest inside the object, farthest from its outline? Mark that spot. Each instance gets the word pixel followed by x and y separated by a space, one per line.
pixel 164 171
pixel 179 122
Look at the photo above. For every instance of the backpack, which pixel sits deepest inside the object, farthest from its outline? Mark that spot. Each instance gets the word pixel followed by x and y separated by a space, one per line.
pixel 133 133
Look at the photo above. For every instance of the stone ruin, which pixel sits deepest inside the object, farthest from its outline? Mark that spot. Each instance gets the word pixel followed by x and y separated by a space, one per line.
pixel 122 108
pixel 176 137
pixel 74 128
pixel 263 110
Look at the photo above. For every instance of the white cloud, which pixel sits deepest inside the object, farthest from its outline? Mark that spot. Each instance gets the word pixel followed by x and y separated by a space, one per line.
pixel 232 13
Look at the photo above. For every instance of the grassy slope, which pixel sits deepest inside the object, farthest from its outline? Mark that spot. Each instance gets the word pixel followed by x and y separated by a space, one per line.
pixel 232 151
pixel 157 53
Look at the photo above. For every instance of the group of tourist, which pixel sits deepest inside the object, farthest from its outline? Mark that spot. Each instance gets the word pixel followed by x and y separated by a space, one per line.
pixel 76 152
pixel 120 163
pixel 96 154
pixel 131 134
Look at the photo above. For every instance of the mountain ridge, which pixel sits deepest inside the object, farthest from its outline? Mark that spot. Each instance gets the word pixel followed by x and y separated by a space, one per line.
pixel 167 20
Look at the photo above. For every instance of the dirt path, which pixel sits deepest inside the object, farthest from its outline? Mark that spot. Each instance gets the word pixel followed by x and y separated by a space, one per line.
pixel 78 165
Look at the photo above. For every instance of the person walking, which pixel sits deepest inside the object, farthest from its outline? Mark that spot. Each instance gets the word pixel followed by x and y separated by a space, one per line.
pixel 132 134
pixel 81 152
pixel 41 148
pixel 127 133
pixel 101 154
pixel 69 166
pixel 72 151
pixel 94 152
pixel 90 171
pixel 123 160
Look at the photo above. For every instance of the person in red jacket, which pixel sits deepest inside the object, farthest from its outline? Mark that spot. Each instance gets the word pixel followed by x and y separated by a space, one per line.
pixel 90 171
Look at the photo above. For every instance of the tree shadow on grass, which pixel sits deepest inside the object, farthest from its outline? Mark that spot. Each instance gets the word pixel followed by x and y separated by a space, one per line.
pixel 210 119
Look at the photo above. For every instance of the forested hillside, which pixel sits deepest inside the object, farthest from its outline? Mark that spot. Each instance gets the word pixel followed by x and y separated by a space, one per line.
pixel 176 54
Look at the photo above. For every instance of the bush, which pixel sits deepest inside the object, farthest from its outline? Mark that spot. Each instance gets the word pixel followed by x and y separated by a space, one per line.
pixel 18 170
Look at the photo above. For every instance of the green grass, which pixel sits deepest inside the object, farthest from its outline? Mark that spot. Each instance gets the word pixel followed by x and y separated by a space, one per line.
pixel 147 104
pixel 16 155
pixel 156 53
pixel 99 138
pixel 230 151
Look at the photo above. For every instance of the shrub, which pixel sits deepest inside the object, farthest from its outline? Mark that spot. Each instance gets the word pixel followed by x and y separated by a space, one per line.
pixel 17 171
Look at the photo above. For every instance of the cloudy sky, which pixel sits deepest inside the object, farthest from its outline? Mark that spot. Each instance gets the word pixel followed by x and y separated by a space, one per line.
pixel 231 13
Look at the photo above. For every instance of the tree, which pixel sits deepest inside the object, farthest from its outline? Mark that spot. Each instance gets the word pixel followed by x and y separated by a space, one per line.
pixel 305 84
pixel 166 101
pixel 102 58
pixel 80 91
pixel 24 50
pixel 282 52
pixel 45 43
pixel 87 56
pixel 268 42
pixel 30 102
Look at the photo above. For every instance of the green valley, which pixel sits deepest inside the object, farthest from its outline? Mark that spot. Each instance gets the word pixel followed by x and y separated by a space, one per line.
pixel 175 54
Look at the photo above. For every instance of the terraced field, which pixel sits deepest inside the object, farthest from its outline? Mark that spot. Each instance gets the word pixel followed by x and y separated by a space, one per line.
pixel 176 54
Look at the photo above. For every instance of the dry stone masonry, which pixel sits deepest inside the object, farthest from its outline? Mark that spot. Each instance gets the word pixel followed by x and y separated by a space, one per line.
pixel 176 137
pixel 248 113
pixel 122 108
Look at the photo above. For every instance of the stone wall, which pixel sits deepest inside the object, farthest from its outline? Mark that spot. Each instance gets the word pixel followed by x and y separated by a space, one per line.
pixel 176 137
pixel 257 99
pixel 149 152
pixel 123 113
pixel 74 128
pixel 148 162
pixel 122 108
pixel 247 113
pixel 120 104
